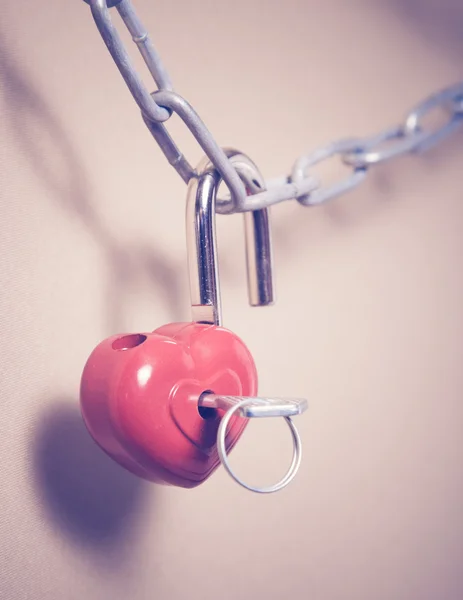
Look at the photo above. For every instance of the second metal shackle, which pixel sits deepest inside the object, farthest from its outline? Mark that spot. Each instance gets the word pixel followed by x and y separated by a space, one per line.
pixel 202 245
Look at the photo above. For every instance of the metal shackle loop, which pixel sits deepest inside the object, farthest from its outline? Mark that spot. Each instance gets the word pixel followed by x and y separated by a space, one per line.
pixel 202 245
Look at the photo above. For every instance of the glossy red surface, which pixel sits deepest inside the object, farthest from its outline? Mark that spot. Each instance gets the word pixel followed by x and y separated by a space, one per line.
pixel 139 399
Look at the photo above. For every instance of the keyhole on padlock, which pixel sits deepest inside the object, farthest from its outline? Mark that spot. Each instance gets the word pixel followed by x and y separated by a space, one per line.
pixel 129 341
pixel 206 412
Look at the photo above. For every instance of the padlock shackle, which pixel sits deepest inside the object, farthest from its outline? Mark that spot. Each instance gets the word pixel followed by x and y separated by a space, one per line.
pixel 206 303
pixel 202 244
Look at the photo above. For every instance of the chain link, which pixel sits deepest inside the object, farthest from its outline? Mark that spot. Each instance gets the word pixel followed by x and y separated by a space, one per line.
pixel 111 38
pixel 357 153
pixel 321 194
pixel 450 98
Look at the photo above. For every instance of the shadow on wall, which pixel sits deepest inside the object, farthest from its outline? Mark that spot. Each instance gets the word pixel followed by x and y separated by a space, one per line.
pixel 50 153
pixel 440 22
pixel 94 501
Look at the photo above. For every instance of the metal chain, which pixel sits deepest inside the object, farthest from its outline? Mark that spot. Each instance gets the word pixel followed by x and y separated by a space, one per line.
pixel 360 154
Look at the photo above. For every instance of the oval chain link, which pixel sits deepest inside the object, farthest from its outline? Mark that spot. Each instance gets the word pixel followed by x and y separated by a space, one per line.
pixel 322 194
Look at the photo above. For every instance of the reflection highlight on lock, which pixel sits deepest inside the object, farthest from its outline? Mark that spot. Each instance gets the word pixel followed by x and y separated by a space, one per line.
pixel 171 404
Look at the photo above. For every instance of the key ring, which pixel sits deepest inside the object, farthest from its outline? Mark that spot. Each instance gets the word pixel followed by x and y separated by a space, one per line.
pixel 297 450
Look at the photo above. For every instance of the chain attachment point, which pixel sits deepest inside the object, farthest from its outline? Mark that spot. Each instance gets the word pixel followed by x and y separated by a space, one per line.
pixel 359 153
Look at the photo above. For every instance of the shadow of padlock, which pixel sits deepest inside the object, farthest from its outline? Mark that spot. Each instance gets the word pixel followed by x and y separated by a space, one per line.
pixel 171 404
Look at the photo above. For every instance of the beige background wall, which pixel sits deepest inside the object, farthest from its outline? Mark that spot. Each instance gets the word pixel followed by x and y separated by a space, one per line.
pixel 368 324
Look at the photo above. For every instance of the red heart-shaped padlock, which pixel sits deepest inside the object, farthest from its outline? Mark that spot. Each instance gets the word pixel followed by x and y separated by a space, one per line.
pixel 140 392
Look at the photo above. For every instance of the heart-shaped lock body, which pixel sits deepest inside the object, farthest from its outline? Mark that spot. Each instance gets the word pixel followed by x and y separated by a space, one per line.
pixel 140 392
